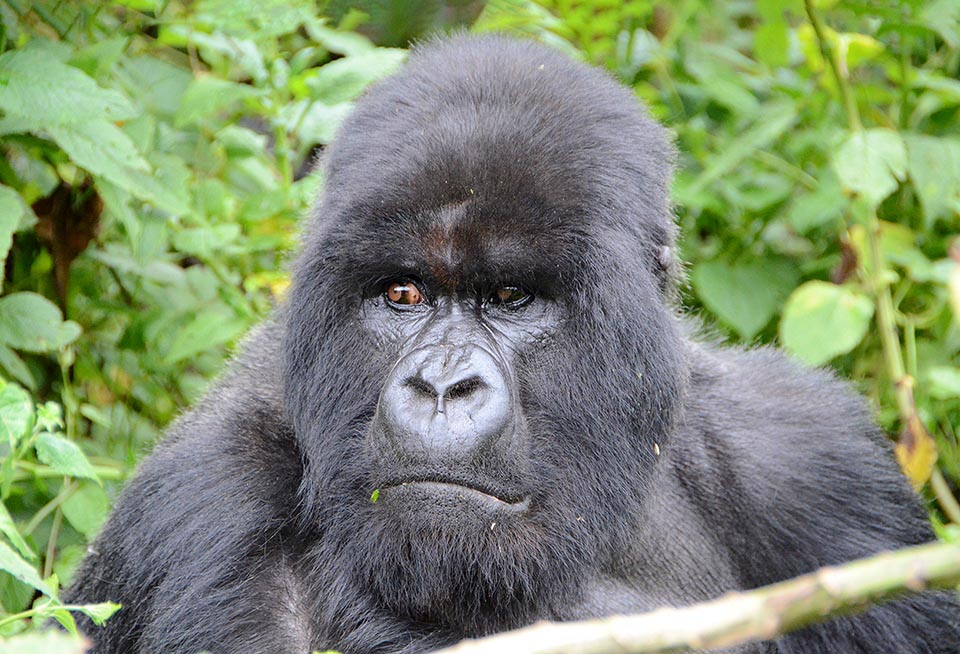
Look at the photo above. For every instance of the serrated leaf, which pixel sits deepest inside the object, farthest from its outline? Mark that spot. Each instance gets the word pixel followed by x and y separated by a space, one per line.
pixel 822 320
pixel 204 332
pixel 34 84
pixel 86 509
pixel 871 164
pixel 744 296
pixel 207 95
pixel 342 80
pixel 16 413
pixel 101 148
pixel 33 323
pixel 934 164
pixel 64 456
pixel 12 563
pixel 99 613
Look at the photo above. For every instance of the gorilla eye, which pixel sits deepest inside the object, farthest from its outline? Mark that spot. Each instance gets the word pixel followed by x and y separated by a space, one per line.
pixel 512 297
pixel 403 292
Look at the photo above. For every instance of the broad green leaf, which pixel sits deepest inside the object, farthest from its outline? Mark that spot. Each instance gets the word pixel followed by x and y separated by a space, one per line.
pixel 34 84
pixel 344 79
pixel 345 43
pixel 102 148
pixel 943 382
pixel 871 164
pixel 822 320
pixel 64 456
pixel 206 241
pixel 208 95
pixel 12 563
pixel 33 323
pixel 12 211
pixel 771 123
pixel 934 165
pixel 206 331
pixel 259 18
pixel 9 529
pixel 86 509
pixel 16 367
pixel 771 41
pixel 821 207
pixel 51 641
pixel 744 296
pixel 99 57
pixel 16 413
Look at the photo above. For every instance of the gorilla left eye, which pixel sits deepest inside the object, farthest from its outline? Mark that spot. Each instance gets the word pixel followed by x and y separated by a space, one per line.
pixel 512 297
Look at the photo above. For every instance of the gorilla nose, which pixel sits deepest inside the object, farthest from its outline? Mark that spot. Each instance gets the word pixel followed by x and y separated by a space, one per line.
pixel 439 402
pixel 440 390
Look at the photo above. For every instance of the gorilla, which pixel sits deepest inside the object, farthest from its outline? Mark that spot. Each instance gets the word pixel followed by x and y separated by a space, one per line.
pixel 479 407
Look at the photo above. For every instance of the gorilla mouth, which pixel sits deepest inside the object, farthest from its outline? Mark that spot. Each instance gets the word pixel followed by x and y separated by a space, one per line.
pixel 501 500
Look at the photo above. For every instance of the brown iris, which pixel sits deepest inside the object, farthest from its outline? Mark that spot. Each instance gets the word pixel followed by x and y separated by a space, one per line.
pixel 404 292
pixel 510 296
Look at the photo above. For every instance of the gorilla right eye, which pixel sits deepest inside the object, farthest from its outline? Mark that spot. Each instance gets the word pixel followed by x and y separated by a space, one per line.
pixel 403 292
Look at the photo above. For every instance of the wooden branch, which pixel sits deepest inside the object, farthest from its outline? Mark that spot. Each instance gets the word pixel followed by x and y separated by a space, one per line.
pixel 739 618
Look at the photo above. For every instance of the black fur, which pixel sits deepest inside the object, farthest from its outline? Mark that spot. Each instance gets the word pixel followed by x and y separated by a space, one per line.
pixel 660 470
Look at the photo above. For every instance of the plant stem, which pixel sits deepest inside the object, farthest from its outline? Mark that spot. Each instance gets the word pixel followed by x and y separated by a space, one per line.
pixel 829 54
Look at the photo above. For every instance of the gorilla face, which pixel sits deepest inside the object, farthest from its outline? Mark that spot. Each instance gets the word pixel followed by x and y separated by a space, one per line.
pixel 478 334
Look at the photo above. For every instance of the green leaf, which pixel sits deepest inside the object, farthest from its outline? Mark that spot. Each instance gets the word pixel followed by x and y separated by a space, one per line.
pixel 64 456
pixel 35 85
pixel 86 509
pixel 823 320
pixel 9 529
pixel 206 241
pixel 871 164
pixel 101 148
pixel 16 367
pixel 344 79
pixel 204 332
pixel 934 165
pixel 51 641
pixel 99 613
pixel 943 382
pixel 12 211
pixel 11 562
pixel 33 323
pixel 744 296
pixel 771 41
pixel 208 95
pixel 772 122
pixel 16 413
pixel 824 205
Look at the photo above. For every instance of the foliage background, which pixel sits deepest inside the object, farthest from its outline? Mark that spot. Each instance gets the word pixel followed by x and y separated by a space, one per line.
pixel 155 158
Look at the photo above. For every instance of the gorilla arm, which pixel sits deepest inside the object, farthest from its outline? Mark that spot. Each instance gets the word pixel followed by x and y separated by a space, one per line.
pixel 231 470
pixel 786 468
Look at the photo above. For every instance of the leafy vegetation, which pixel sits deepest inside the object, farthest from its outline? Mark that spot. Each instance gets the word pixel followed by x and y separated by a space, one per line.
pixel 155 159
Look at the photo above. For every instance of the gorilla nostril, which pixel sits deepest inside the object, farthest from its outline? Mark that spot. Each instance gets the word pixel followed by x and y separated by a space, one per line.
pixel 421 386
pixel 464 388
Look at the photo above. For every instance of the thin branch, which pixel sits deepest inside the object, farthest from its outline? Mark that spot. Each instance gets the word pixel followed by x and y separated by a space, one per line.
pixel 739 618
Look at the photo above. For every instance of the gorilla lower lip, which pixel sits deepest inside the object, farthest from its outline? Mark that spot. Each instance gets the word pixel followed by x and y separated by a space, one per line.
pixel 446 487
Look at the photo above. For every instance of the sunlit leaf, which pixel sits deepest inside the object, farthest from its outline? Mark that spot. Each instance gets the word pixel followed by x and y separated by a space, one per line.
pixel 871 164
pixel 822 320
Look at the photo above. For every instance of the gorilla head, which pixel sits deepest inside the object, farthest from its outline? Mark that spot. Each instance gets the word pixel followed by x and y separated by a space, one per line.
pixel 478 330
